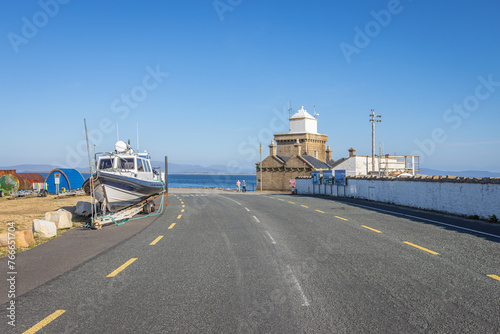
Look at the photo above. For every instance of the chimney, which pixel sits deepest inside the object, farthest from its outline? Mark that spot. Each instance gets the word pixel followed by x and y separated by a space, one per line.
pixel 272 149
pixel 297 147
pixel 352 152
pixel 328 154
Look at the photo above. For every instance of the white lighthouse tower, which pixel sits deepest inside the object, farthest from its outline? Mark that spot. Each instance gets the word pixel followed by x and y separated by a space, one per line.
pixel 303 122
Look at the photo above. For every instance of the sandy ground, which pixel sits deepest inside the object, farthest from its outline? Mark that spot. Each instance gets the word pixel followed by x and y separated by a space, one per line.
pixel 22 210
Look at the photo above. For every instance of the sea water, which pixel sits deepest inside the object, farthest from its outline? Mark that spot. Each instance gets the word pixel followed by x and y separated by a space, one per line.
pixel 203 180
pixel 211 181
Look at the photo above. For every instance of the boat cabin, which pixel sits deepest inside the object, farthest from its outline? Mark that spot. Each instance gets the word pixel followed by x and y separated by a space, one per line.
pixel 125 163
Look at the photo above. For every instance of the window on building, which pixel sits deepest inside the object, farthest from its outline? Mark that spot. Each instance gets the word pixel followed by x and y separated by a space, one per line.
pixel 316 154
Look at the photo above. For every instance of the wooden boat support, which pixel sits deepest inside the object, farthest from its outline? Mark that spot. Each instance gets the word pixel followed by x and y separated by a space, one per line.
pixel 147 206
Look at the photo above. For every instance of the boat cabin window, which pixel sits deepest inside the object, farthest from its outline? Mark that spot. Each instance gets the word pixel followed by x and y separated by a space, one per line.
pixel 143 165
pixel 126 163
pixel 140 165
pixel 105 163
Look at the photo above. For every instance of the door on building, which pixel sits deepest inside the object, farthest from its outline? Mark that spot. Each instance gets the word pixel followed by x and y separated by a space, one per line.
pixel 371 193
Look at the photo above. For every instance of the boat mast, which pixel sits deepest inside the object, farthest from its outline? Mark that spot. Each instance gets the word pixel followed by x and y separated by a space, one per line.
pixel 92 190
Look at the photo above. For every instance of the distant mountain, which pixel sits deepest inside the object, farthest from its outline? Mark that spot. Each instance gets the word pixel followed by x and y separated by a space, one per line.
pixel 213 169
pixel 172 168
pixel 39 168
pixel 31 168
pixel 470 173
pixel 222 169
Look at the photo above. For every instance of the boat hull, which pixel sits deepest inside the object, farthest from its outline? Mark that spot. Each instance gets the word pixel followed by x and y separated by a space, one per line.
pixel 119 191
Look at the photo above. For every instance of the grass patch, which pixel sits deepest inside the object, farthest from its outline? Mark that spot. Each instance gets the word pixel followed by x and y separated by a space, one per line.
pixel 493 219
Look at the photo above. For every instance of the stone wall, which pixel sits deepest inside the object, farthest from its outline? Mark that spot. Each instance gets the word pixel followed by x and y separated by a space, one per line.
pixel 310 142
pixel 457 195
pixel 278 179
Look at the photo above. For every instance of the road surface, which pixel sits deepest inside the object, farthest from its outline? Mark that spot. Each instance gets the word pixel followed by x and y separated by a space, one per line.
pixel 225 262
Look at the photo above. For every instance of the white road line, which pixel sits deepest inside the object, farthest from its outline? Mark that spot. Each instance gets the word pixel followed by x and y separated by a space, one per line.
pixel 232 200
pixel 297 286
pixel 256 219
pixel 270 237
pixel 429 220
pixel 247 209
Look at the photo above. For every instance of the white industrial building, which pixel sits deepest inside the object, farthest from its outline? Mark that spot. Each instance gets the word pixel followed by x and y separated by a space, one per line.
pixel 388 165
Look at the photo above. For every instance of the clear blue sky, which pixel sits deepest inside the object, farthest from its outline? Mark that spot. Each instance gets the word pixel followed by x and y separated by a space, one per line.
pixel 430 68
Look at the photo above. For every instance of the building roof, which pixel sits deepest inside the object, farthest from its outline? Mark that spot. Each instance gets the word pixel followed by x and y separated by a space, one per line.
pixel 282 158
pixel 69 178
pixel 302 114
pixel 315 162
pixel 338 162
pixel 311 160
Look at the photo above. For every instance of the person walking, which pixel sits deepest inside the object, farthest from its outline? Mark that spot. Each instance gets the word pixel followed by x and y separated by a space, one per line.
pixel 244 185
pixel 238 185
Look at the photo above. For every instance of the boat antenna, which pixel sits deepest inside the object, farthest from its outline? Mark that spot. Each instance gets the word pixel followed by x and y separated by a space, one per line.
pixel 137 136
pixel 92 190
pixel 117 133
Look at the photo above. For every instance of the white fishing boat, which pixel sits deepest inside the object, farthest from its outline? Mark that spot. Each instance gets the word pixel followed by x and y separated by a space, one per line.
pixel 124 178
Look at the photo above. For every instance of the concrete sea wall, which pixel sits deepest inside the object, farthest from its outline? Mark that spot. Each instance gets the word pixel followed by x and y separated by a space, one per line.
pixel 456 195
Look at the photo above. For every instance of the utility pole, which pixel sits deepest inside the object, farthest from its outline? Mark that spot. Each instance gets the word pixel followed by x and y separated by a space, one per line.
pixel 374 119
pixel 260 167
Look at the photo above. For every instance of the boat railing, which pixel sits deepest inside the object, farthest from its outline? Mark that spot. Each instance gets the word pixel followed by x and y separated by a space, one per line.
pixel 157 173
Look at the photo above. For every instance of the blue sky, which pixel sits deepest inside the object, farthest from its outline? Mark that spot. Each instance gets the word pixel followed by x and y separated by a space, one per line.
pixel 206 81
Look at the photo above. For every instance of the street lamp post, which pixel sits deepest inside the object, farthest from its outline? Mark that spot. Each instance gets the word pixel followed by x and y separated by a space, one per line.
pixel 260 166
pixel 374 119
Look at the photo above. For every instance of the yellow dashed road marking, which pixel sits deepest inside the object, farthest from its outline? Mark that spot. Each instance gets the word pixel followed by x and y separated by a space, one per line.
pixel 123 266
pixel 494 277
pixel 44 322
pixel 156 240
pixel 374 230
pixel 421 248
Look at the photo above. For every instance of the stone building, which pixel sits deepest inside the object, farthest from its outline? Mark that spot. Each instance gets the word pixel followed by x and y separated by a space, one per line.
pixel 295 153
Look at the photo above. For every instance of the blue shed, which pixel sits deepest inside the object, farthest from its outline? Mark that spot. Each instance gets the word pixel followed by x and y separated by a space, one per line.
pixel 68 179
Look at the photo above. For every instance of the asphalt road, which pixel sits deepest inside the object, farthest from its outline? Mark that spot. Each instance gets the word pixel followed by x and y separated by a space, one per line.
pixel 221 262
